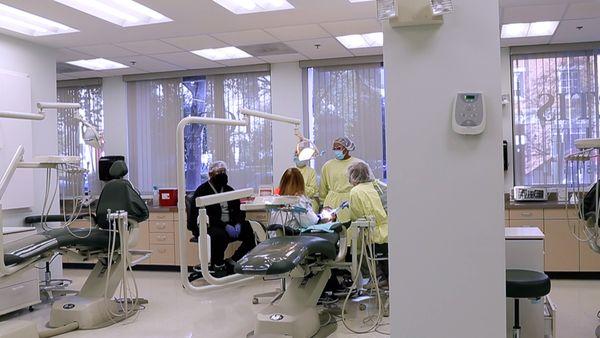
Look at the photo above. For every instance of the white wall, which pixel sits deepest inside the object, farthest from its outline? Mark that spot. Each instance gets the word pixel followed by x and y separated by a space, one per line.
pixel 286 99
pixel 446 207
pixel 40 63
pixel 114 95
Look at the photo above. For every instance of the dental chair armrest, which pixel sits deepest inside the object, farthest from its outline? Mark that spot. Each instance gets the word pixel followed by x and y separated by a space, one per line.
pixel 343 243
pixel 289 231
pixel 51 218
pixel 340 227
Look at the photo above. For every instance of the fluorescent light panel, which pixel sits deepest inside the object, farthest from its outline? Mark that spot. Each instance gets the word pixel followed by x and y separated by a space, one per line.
pixel 225 53
pixel 254 6
pixel 26 23
pixel 97 64
pixel 361 40
pixel 528 30
pixel 124 13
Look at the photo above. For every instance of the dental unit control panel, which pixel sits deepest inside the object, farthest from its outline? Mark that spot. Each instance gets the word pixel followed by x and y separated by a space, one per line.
pixel 468 115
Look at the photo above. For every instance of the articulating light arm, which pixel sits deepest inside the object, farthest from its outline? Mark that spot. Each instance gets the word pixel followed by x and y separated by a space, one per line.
pixel 40 114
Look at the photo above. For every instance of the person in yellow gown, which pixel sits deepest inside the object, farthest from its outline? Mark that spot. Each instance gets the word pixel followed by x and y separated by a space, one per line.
pixel 335 187
pixel 311 189
pixel 365 202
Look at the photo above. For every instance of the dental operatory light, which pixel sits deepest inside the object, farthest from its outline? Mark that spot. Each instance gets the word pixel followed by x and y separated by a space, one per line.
pixel 254 6
pixel 305 148
pixel 528 30
pixel 441 7
pixel 97 64
pixel 26 23
pixel 124 13
pixel 361 40
pixel 91 136
pixel 225 53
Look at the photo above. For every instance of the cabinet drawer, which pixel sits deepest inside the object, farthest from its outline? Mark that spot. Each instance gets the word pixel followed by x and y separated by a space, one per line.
pixel 506 214
pixel 560 214
pixel 520 223
pixel 162 238
pixel 22 294
pixel 19 277
pixel 162 254
pixel 526 214
pixel 161 226
pixel 161 216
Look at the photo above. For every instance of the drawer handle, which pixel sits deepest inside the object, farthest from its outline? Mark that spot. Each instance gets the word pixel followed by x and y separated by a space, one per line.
pixel 162 250
pixel 162 227
pixel 526 214
pixel 16 288
pixel 162 238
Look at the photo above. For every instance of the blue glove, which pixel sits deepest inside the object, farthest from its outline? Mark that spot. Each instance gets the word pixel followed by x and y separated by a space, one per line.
pixel 233 230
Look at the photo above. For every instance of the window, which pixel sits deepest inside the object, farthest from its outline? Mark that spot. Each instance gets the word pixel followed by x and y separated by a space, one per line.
pixel 156 107
pixel 70 138
pixel 348 101
pixel 554 104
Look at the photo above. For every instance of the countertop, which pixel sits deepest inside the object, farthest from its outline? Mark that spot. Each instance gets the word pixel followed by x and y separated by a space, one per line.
pixel 523 233
pixel 537 205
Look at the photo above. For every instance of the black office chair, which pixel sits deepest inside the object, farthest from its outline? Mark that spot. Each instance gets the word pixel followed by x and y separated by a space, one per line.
pixel 525 284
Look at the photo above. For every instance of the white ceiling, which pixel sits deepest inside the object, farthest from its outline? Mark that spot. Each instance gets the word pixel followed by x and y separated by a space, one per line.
pixel 199 24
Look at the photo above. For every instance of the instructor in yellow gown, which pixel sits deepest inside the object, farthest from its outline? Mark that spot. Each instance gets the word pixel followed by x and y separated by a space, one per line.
pixel 335 187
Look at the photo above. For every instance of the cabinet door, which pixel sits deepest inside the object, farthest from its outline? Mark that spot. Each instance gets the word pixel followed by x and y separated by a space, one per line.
pixel 527 223
pixel 526 214
pixel 589 260
pixel 561 248
pixel 143 241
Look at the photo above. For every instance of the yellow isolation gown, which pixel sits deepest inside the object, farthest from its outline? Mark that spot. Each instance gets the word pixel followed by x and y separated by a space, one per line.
pixel 335 188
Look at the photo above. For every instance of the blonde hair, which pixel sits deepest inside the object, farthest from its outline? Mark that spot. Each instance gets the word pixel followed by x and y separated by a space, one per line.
pixel 292 183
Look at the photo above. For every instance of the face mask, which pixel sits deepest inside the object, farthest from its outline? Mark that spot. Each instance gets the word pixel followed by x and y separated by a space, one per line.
pixel 339 154
pixel 220 180
pixel 299 164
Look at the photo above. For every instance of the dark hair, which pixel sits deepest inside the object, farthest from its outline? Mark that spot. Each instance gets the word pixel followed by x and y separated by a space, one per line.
pixel 292 183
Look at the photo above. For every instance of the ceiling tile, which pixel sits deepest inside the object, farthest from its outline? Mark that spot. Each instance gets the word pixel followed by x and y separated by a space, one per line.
pixel 541 40
pixel 104 51
pixel 327 48
pixel 303 32
pixel 190 43
pixel 242 62
pixel 283 58
pixel 367 51
pixel 533 13
pixel 567 31
pixel 245 38
pixel 352 27
pixel 85 74
pixel 585 10
pixel 147 63
pixel 150 47
pixel 186 60
pixel 65 54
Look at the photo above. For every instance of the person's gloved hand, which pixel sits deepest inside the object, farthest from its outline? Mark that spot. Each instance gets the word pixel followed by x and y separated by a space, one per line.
pixel 233 230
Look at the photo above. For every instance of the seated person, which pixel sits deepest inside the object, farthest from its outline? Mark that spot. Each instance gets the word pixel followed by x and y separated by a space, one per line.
pixel 292 184
pixel 365 202
pixel 226 221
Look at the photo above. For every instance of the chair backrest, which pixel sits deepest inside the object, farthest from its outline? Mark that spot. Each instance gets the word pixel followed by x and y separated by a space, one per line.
pixel 119 194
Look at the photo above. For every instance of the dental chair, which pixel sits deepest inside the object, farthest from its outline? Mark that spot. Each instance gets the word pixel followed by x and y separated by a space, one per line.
pixel 305 260
pixel 92 307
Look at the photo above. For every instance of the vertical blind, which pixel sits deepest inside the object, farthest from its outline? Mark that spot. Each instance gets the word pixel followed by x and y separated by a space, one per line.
pixel 70 138
pixel 155 108
pixel 555 102
pixel 348 101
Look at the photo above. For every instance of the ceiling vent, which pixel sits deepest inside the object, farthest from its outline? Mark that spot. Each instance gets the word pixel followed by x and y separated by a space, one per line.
pixel 266 49
pixel 64 68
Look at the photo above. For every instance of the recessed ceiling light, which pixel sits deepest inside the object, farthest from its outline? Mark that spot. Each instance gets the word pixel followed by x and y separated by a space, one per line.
pixel 97 64
pixel 254 6
pixel 26 23
pixel 361 40
pixel 527 30
pixel 124 13
pixel 225 53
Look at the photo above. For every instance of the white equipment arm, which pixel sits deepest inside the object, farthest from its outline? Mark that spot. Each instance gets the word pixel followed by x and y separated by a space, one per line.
pixel 217 283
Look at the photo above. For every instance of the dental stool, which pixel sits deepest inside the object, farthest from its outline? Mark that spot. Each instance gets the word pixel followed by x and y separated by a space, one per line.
pixel 525 284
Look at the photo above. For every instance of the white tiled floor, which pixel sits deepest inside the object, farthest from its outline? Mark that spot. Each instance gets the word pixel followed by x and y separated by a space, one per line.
pixel 578 302
pixel 174 313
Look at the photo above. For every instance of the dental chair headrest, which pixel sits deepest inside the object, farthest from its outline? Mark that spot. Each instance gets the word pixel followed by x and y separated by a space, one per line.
pixel 118 169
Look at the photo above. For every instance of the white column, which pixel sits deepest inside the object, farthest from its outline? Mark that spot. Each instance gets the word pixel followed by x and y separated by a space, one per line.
pixel 286 99
pixel 507 131
pixel 114 95
pixel 446 204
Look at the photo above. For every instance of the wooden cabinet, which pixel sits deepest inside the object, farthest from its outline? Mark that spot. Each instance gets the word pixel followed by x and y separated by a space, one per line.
pixel 161 238
pixel 526 214
pixel 589 260
pixel 514 223
pixel 561 248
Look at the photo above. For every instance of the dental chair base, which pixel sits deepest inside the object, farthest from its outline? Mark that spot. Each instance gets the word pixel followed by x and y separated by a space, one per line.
pixel 295 315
